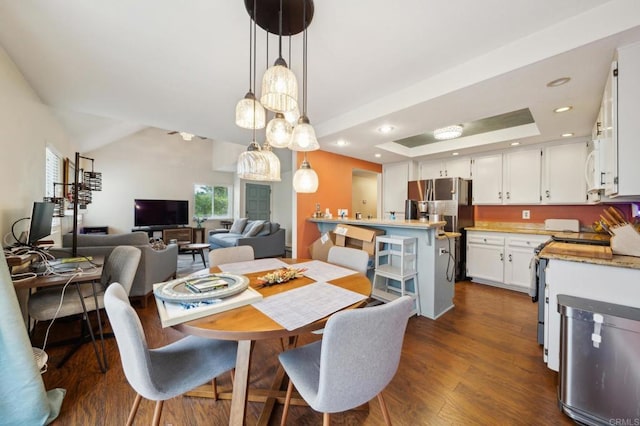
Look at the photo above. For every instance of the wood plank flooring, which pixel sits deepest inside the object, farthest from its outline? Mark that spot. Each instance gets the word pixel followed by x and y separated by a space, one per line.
pixel 477 364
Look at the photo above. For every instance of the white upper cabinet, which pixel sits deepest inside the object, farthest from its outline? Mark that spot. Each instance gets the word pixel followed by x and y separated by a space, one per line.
pixel 522 177
pixel 459 167
pixel 563 174
pixel 395 181
pixel 487 179
pixel 621 126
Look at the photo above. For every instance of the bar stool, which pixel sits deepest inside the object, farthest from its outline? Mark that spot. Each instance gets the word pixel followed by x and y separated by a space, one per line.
pixel 396 271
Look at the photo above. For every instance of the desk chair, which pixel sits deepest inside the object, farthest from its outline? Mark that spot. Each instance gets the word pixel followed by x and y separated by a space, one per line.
pixel 162 373
pixel 48 304
pixel 230 254
pixel 351 258
pixel 356 359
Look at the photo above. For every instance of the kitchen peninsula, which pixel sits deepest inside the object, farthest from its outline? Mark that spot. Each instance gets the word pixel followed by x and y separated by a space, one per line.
pixel 434 269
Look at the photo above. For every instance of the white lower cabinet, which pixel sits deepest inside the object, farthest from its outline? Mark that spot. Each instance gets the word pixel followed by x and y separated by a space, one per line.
pixel 502 259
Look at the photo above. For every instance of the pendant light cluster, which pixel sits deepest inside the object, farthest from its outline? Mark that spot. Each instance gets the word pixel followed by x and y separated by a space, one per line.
pixel 280 96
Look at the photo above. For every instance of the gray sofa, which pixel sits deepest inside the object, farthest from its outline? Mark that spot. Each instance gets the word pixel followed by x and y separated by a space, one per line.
pixel 266 238
pixel 155 265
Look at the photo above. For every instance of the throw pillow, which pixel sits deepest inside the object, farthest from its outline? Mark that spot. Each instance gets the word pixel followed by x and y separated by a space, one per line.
pixel 266 230
pixel 274 227
pixel 253 228
pixel 238 225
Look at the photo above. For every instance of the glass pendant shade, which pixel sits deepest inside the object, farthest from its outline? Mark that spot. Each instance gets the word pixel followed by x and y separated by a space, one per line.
pixel 252 164
pixel 279 131
pixel 304 137
pixel 305 179
pixel 292 116
pixel 279 88
pixel 273 163
pixel 250 113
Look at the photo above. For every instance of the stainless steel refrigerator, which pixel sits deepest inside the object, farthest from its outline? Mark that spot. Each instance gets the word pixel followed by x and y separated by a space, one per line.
pixel 451 199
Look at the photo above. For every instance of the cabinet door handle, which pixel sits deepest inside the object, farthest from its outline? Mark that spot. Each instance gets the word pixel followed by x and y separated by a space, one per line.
pixel 510 259
pixel 500 195
pixel 508 195
pixel 598 128
pixel 440 173
pixel 601 178
pixel 501 257
pixel 547 193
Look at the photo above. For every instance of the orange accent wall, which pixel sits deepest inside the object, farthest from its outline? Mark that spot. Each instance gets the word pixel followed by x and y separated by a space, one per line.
pixel 334 192
pixel 585 214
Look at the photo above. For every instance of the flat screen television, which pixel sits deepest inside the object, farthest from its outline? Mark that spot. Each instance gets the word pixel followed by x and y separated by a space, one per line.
pixel 160 212
pixel 41 219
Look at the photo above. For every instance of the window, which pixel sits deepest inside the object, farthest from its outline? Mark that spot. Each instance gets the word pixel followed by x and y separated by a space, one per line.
pixel 212 201
pixel 53 173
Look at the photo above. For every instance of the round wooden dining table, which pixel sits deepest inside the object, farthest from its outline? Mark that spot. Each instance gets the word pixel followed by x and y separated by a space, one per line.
pixel 247 324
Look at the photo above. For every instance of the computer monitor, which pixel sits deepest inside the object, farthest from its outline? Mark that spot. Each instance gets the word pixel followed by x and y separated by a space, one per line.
pixel 41 219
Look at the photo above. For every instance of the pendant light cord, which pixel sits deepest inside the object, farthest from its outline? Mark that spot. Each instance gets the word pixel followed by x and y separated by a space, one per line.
pixel 304 58
pixel 250 47
pixel 254 54
pixel 280 32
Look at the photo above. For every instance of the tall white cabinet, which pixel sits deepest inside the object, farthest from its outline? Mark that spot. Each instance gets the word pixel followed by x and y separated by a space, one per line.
pixel 561 181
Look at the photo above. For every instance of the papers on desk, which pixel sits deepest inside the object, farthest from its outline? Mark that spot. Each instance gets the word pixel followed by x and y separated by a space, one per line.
pixel 175 313
pixel 250 266
pixel 302 306
pixel 321 271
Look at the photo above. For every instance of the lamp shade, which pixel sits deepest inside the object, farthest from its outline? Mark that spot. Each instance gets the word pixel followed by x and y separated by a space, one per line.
pixel 273 163
pixel 305 179
pixel 250 113
pixel 304 137
pixel 279 131
pixel 279 88
pixel 292 116
pixel 252 164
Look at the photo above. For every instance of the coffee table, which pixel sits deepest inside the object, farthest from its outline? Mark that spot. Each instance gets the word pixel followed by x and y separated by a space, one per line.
pixel 193 248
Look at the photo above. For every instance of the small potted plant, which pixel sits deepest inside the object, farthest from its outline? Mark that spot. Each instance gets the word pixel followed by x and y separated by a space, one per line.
pixel 199 221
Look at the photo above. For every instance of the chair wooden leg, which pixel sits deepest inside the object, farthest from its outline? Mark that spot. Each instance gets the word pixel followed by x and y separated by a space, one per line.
pixel 287 401
pixel 134 409
pixel 383 408
pixel 326 419
pixel 157 412
pixel 214 385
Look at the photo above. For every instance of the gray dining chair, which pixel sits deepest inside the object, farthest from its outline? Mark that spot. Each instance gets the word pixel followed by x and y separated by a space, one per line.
pixel 166 372
pixel 356 359
pixel 50 303
pixel 350 258
pixel 230 254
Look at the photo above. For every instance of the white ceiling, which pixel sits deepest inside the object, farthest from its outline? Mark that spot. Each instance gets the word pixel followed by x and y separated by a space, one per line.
pixel 115 67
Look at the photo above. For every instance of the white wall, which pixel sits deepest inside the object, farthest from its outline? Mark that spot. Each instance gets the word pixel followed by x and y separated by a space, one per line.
pixel 364 194
pixel 26 127
pixel 149 164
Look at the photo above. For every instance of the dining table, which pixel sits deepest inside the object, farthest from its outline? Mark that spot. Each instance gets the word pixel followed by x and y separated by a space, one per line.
pixel 247 324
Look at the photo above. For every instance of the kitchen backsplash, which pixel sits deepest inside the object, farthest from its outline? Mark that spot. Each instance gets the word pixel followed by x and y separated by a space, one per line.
pixel 586 214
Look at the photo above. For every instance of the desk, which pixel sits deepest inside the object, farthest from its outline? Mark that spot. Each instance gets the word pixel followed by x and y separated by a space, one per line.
pixel 247 324
pixel 90 275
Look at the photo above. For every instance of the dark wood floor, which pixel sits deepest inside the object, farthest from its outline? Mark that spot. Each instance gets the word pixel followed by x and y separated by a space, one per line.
pixel 477 364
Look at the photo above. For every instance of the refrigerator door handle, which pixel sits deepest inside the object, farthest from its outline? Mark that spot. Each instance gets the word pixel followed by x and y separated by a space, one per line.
pixel 453 186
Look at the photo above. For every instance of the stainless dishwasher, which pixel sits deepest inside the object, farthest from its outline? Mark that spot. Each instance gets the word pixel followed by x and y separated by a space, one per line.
pixel 599 362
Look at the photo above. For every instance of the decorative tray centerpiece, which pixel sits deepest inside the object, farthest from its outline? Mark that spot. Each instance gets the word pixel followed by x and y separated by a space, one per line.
pixel 198 288
pixel 281 275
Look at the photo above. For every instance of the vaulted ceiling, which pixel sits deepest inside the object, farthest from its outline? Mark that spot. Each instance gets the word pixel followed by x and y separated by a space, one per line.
pixel 112 68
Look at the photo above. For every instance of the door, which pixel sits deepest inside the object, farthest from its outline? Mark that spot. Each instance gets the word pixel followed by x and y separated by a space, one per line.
pixel 522 170
pixel 564 174
pixel 258 201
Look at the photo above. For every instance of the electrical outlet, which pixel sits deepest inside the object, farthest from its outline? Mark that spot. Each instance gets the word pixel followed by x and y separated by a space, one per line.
pixel 526 214
pixel 442 251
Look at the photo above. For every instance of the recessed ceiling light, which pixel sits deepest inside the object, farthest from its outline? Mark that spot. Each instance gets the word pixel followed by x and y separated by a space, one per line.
pixel 558 82
pixel 515 143
pixel 567 135
pixel 385 128
pixel 377 155
pixel 563 109
pixel 454 153
pixel 342 142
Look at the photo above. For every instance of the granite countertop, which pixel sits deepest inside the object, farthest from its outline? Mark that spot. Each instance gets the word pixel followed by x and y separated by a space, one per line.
pixel 617 260
pixel 533 229
pixel 400 223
